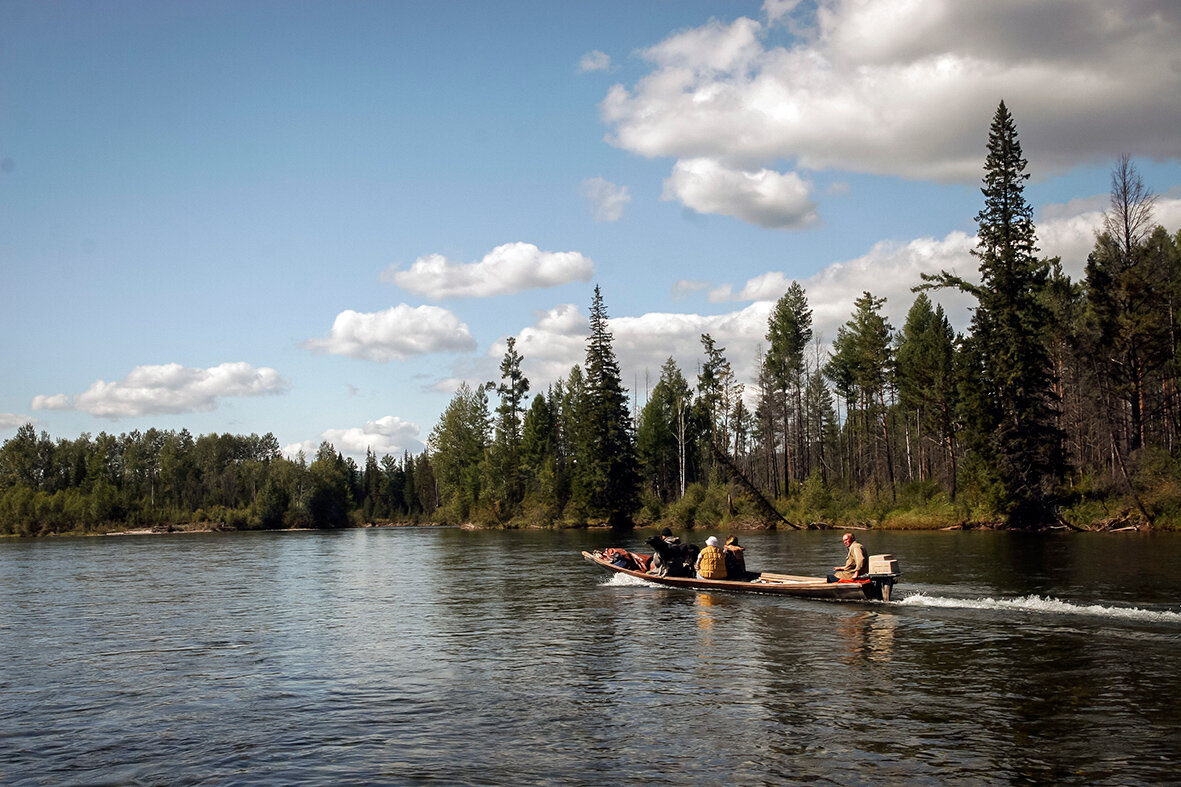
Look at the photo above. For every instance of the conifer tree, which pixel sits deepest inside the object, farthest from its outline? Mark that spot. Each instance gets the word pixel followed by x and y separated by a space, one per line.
pixel 506 455
pixel 718 391
pixel 1008 399
pixel 458 444
pixel 667 434
pixel 861 368
pixel 926 377
pixel 606 480
pixel 789 330
pixel 1128 292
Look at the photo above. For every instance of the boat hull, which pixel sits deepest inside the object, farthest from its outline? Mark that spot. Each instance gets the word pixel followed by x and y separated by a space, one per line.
pixel 873 588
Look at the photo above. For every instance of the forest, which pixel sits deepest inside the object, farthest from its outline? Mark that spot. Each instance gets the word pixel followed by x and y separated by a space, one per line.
pixel 1058 407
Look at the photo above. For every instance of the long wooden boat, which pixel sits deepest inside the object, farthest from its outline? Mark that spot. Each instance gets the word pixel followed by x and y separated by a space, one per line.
pixel 873 587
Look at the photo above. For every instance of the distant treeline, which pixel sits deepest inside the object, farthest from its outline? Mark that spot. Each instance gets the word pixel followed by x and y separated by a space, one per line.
pixel 166 478
pixel 1058 406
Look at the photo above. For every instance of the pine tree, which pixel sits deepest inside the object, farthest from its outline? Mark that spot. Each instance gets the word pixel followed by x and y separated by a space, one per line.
pixel 667 434
pixel 926 379
pixel 861 368
pixel 1009 400
pixel 506 454
pixel 606 480
pixel 458 445
pixel 789 330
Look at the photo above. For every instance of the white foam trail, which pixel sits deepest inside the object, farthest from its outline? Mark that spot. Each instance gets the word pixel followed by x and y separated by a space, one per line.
pixel 625 580
pixel 1043 605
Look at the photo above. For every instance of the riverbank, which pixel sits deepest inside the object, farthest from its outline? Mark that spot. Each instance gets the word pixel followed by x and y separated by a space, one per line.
pixel 729 527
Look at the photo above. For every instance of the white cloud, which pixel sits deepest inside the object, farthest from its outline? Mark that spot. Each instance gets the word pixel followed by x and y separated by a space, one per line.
pixel 507 269
pixel 1069 231
pixel 889 270
pixel 168 388
pixel 764 287
pixel 13 420
pixel 554 343
pixel 607 199
pixel 908 89
pixel 594 61
pixel 388 435
pixel 685 287
pixel 769 199
pixel 557 340
pixel 779 9
pixel 397 333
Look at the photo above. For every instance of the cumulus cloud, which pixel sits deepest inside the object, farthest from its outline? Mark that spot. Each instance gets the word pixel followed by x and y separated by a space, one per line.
pixel 769 199
pixel 594 61
pixel 890 269
pixel 1069 231
pixel 168 388
pixel 507 269
pixel 686 287
pixel 557 339
pixel 387 435
pixel 555 342
pixel 907 89
pixel 643 343
pixel 395 334
pixel 13 420
pixel 607 199
pixel 779 9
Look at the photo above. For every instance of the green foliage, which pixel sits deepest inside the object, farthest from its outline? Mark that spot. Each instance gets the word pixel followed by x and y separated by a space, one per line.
pixel 816 497
pixel 606 478
pixel 1008 398
pixel 272 504
pixel 936 429
pixel 668 435
pixel 458 447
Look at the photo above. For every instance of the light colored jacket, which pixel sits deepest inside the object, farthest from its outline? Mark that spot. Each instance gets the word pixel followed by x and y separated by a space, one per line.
pixel 711 563
pixel 856 564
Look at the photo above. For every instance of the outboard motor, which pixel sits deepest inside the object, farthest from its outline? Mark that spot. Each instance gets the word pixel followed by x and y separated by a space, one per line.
pixel 883 571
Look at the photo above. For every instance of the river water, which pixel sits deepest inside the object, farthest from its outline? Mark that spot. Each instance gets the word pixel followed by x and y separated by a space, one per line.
pixel 444 656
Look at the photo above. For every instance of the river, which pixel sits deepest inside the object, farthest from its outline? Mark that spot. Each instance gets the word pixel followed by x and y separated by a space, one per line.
pixel 446 656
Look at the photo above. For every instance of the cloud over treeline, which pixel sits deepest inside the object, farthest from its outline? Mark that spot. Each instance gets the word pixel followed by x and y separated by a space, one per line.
pixel 387 435
pixel 395 334
pixel 167 388
pixel 890 269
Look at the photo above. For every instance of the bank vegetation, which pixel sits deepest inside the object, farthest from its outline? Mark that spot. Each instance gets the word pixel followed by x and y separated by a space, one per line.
pixel 1057 407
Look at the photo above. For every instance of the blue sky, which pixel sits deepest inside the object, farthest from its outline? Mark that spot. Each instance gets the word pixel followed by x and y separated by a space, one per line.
pixel 317 218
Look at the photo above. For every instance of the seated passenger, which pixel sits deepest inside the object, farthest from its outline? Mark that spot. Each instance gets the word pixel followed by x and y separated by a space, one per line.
pixel 669 555
pixel 735 560
pixel 711 561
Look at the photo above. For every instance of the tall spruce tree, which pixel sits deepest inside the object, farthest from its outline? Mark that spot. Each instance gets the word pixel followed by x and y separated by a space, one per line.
pixel 506 454
pixel 607 478
pixel 1008 399
pixel 789 330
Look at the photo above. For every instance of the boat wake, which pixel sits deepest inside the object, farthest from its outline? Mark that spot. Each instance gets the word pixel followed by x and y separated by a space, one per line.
pixel 626 580
pixel 1037 604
